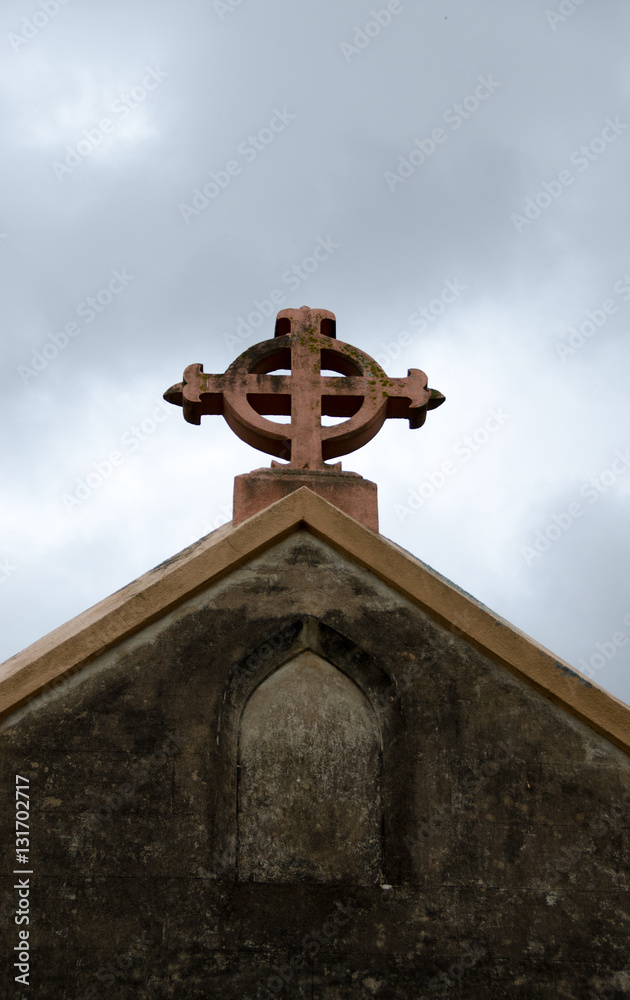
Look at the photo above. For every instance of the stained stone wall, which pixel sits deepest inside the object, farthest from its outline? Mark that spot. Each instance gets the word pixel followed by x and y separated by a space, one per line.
pixel 299 785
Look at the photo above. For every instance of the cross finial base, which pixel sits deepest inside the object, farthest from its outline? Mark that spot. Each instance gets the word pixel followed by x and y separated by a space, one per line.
pixel 347 490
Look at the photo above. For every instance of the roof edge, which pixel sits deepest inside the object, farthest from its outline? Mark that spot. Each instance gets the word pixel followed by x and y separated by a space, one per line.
pixel 44 664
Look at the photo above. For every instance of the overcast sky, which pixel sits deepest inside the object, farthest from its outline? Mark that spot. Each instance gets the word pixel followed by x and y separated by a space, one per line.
pixel 463 171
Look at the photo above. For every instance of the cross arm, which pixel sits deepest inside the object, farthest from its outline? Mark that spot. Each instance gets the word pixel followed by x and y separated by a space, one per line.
pixel 199 393
pixel 410 398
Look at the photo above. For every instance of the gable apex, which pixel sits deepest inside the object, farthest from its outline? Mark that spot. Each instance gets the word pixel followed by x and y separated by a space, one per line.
pixel 63 652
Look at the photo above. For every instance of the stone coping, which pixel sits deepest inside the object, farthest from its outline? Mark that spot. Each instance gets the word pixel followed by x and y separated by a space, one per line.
pixel 88 635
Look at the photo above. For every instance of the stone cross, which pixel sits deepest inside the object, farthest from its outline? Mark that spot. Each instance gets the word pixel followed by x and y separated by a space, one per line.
pixel 305 344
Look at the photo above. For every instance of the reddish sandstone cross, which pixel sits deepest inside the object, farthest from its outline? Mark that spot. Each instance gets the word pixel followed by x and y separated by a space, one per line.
pixel 305 344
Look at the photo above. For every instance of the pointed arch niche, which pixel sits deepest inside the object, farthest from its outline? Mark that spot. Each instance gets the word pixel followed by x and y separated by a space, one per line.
pixel 308 702
pixel 309 778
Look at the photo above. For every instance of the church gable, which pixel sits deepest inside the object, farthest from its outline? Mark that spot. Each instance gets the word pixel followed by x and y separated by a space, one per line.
pixel 51 660
pixel 166 772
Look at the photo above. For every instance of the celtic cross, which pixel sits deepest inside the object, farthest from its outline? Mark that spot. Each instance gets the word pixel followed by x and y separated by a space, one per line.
pixel 305 344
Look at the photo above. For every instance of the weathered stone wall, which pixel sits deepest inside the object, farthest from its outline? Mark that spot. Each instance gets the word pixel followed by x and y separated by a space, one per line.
pixel 461 836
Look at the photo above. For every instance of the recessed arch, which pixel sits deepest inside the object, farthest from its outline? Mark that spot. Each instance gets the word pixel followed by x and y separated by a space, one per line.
pixel 309 804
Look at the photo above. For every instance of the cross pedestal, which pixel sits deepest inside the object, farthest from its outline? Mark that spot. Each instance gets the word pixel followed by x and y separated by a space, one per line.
pixel 349 491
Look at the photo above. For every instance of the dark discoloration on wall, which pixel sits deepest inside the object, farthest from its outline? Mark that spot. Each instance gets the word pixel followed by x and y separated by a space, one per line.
pixel 505 822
